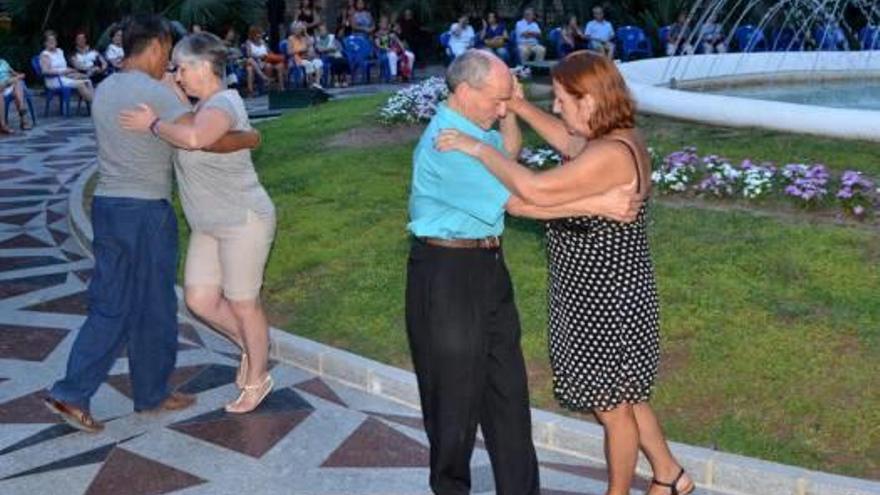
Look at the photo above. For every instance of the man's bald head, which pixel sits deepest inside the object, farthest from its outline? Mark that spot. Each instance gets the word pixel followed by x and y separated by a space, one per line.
pixel 481 86
pixel 474 67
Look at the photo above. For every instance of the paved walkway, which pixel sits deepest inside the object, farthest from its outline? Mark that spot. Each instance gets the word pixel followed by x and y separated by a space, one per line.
pixel 312 436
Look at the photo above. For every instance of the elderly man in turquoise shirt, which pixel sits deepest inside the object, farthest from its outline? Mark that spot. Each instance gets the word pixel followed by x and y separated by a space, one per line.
pixel 461 320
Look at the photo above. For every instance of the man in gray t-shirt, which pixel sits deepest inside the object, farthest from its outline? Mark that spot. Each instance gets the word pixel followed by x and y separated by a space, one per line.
pixel 133 165
pixel 131 295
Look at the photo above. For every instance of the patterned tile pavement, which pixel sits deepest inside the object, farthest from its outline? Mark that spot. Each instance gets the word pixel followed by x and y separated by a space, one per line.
pixel 312 436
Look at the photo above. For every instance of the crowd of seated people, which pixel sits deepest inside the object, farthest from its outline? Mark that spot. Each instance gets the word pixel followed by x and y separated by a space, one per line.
pixel 396 39
pixel 56 72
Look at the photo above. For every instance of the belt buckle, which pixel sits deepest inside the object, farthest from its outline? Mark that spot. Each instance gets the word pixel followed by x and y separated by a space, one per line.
pixel 489 242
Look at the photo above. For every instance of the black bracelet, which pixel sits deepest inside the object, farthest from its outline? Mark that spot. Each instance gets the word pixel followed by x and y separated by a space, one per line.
pixel 153 127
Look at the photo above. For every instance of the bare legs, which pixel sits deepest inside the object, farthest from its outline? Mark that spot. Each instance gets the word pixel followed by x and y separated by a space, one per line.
pixel 264 72
pixel 4 129
pixel 629 428
pixel 245 324
pixel 621 447
pixel 85 90
pixel 209 304
pixel 254 70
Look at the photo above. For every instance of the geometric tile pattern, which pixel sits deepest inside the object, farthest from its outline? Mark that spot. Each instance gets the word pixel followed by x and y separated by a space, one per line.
pixel 311 436
pixel 154 476
pixel 376 445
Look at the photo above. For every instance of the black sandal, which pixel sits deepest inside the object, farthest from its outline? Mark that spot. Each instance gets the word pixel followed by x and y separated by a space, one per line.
pixel 23 122
pixel 673 487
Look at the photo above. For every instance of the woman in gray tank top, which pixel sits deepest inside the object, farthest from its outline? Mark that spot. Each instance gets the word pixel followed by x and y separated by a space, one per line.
pixel 231 216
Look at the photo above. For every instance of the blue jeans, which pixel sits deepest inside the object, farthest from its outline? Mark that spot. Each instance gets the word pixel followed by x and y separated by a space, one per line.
pixel 131 302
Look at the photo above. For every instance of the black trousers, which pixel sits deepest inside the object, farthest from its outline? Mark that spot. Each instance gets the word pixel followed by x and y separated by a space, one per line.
pixel 464 335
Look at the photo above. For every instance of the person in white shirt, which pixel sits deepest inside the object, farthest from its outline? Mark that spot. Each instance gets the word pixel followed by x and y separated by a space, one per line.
pixel 712 37
pixel 87 60
pixel 56 72
pixel 600 33
pixel 528 36
pixel 114 52
pixel 679 35
pixel 461 37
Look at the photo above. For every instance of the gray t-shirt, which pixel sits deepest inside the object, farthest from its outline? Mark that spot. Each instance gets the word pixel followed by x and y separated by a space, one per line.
pixel 218 189
pixel 133 164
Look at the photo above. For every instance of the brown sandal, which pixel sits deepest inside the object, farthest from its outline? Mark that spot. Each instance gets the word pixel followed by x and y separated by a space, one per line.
pixel 74 416
pixel 673 487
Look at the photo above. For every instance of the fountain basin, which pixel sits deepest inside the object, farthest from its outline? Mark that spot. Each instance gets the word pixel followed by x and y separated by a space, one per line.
pixel 666 86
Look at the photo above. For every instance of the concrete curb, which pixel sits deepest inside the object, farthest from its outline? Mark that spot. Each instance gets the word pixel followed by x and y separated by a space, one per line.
pixel 734 474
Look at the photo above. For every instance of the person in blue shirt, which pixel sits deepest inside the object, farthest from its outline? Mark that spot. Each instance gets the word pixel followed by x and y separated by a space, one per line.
pixel 461 319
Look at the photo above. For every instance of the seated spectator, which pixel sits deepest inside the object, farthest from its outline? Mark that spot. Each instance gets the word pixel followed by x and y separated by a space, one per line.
pixel 12 83
pixel 712 37
pixel 411 32
pixel 330 49
pixel 573 37
pixel 494 36
pixel 461 36
pixel 88 61
pixel 114 52
pixel 835 38
pixel 361 20
pixel 600 33
pixel 56 71
pixel 528 38
pixel 344 19
pixel 301 50
pixel 261 62
pixel 235 59
pixel 677 43
pixel 400 60
pixel 310 15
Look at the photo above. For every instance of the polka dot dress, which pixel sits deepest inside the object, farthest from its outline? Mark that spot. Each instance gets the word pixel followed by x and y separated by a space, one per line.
pixel 604 314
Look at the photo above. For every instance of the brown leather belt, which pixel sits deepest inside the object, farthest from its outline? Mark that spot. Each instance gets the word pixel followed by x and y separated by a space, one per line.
pixel 493 242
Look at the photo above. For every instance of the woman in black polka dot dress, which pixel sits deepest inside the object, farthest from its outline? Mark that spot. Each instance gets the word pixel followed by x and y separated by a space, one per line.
pixel 604 315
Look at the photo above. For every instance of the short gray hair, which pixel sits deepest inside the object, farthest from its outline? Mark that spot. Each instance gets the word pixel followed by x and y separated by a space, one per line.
pixel 202 47
pixel 472 67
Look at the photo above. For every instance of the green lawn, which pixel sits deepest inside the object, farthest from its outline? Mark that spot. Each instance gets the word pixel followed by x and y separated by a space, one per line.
pixel 771 330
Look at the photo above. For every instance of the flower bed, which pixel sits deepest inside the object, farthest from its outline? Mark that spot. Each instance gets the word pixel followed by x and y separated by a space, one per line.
pixel 415 103
pixel 810 186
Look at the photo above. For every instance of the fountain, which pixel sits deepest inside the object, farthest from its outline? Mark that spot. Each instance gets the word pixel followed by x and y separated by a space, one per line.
pixel 823 92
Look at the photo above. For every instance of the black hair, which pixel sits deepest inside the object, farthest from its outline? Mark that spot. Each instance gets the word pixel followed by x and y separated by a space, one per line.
pixel 138 31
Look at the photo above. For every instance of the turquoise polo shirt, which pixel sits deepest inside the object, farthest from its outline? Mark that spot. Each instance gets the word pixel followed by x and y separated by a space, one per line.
pixel 453 196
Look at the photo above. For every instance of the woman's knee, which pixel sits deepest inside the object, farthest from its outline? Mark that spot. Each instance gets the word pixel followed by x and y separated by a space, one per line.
pixel 622 414
pixel 201 302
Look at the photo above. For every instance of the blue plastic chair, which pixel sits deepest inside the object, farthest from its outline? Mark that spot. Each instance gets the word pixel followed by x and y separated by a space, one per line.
pixel 556 41
pixel 633 43
pixel 513 49
pixel 869 38
pixel 826 38
pixel 750 39
pixel 787 40
pixel 62 92
pixel 27 98
pixel 444 43
pixel 359 51
pixel 663 38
